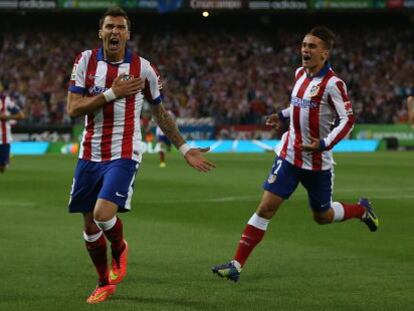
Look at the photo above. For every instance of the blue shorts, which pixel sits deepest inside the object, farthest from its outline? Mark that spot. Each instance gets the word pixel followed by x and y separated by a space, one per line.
pixel 4 154
pixel 109 180
pixel 285 177
pixel 163 139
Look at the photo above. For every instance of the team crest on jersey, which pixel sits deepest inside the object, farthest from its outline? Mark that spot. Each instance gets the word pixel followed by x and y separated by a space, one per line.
pixel 314 90
pixel 272 178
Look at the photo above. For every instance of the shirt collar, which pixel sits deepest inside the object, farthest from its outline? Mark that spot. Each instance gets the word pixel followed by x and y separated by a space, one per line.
pixel 322 72
pixel 127 57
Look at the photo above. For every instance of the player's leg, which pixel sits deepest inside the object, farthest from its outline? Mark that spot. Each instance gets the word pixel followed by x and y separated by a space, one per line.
pixel 115 195
pixel 86 184
pixel 362 210
pixel 281 183
pixel 320 187
pixel 96 245
pixel 4 157
pixel 106 219
pixel 161 151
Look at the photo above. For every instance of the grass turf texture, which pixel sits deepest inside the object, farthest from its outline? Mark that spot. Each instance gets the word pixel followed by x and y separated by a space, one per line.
pixel 183 222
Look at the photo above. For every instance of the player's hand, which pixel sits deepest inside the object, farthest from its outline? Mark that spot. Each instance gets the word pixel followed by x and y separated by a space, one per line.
pixel 313 146
pixel 125 85
pixel 194 158
pixel 273 121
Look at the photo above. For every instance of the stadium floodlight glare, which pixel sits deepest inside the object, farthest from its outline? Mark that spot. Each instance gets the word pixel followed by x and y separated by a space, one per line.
pixel 206 14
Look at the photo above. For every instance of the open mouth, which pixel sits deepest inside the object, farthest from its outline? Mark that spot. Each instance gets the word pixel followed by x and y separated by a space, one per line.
pixel 113 43
pixel 306 57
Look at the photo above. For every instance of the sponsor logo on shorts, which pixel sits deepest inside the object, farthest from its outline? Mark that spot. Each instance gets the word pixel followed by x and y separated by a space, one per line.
pixel 119 195
pixel 271 179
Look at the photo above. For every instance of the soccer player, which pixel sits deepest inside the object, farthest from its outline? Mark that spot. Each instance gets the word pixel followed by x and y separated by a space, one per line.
pixel 317 99
pixel 9 110
pixel 107 86
pixel 163 143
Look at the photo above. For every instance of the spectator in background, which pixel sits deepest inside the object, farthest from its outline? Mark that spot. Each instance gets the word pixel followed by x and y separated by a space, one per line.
pixel 410 108
pixel 233 76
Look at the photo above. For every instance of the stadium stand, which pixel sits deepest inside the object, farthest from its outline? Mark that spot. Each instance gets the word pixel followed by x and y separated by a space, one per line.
pixel 236 76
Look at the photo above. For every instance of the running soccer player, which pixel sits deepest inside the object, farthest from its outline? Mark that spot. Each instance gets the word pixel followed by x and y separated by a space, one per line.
pixel 107 86
pixel 9 110
pixel 317 99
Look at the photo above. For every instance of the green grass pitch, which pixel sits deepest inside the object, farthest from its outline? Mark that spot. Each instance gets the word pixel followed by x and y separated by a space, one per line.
pixel 183 222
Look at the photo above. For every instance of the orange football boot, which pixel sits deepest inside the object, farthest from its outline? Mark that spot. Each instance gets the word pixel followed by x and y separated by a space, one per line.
pixel 117 272
pixel 101 293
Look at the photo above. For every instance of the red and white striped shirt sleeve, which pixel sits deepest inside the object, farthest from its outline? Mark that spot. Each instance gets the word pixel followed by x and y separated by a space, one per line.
pixel 340 103
pixel 78 75
pixel 153 85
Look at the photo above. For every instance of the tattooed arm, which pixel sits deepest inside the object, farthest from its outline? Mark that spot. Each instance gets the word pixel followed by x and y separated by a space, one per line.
pixel 193 156
pixel 167 125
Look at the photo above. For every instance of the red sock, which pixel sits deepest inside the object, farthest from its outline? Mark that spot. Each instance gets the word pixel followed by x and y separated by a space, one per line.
pixel 162 156
pixel 352 211
pixel 116 236
pixel 97 252
pixel 250 238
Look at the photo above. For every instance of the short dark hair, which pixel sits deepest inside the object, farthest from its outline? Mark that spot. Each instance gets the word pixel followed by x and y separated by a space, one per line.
pixel 115 11
pixel 325 34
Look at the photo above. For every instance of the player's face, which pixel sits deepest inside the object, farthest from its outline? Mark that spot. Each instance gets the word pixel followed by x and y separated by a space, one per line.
pixel 314 53
pixel 114 34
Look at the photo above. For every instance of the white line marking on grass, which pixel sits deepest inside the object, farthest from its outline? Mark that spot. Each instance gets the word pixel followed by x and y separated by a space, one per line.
pixel 214 200
pixel 23 204
pixel 256 198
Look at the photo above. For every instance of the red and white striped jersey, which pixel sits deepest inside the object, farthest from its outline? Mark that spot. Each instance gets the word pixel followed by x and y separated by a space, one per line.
pixel 7 107
pixel 316 103
pixel 114 131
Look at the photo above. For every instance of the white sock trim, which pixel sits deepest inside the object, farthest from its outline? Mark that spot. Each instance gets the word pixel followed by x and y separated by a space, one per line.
pixel 106 225
pixel 258 222
pixel 92 237
pixel 339 211
pixel 237 265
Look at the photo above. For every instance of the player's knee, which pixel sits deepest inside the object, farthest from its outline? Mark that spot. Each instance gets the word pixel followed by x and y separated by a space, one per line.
pixel 101 216
pixel 322 219
pixel 90 228
pixel 266 210
pixel 89 225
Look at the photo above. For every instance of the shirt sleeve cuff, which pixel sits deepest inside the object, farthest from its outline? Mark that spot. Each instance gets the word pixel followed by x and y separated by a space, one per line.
pixel 77 89
pixel 281 116
pixel 322 145
pixel 155 101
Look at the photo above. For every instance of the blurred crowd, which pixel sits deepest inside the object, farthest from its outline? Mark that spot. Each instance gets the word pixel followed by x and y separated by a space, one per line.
pixel 235 77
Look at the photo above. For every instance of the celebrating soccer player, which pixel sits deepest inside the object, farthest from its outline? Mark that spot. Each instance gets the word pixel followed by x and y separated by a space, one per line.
pixel 8 111
pixel 108 86
pixel 318 98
